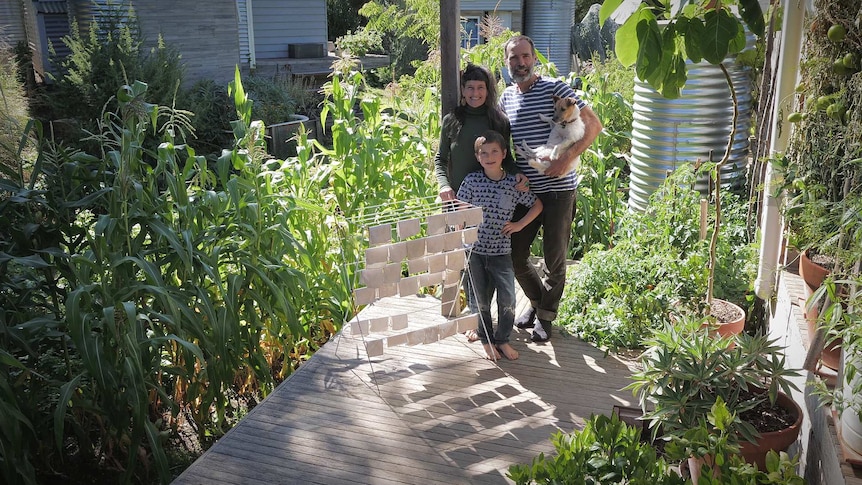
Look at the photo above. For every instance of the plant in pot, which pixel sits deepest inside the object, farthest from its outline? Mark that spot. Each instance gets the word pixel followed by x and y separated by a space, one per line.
pixel 841 320
pixel 812 223
pixel 274 103
pixel 608 450
pixel 656 269
pixel 658 38
pixel 687 369
pixel 709 454
pixel 846 252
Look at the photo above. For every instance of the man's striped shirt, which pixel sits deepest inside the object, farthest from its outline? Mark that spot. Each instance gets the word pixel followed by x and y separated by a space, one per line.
pixel 523 110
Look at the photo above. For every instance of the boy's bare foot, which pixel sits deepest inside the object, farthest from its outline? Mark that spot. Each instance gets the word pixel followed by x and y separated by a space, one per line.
pixel 509 352
pixel 491 352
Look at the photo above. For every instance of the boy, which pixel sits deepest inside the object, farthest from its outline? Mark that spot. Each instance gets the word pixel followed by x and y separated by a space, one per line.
pixel 490 264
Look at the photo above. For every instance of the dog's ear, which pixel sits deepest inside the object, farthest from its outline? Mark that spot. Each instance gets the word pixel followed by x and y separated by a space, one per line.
pixel 556 98
pixel 570 101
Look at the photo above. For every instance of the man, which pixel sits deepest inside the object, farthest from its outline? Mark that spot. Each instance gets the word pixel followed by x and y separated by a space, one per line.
pixel 523 101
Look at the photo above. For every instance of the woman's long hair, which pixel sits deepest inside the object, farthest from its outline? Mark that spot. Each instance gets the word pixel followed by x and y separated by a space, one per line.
pixel 496 117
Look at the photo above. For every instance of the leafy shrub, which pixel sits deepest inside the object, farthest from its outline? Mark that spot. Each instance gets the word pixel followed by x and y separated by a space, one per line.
pixel 108 54
pixel 140 284
pixel 605 451
pixel 13 109
pixel 608 89
pixel 273 98
pixel 657 268
pixel 213 111
pixel 361 42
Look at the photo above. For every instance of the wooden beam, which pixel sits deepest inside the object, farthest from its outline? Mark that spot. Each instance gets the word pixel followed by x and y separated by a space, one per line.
pixel 450 45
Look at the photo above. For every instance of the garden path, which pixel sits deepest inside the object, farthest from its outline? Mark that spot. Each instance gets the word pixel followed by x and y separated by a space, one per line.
pixel 433 413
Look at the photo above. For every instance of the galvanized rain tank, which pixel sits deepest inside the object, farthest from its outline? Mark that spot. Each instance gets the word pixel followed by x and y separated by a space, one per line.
pixel 549 23
pixel 669 132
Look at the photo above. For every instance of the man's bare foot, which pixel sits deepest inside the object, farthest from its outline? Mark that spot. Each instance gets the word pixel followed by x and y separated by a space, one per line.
pixel 509 352
pixel 491 352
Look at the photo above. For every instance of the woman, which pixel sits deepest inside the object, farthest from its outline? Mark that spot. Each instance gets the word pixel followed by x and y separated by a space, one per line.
pixel 476 113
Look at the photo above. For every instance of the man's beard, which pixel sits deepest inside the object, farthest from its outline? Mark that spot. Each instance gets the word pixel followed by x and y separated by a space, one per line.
pixel 524 77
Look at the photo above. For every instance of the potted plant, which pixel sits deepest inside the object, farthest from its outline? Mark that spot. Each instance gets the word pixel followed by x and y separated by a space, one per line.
pixel 608 450
pixel 687 369
pixel 656 268
pixel 274 103
pixel 710 454
pixel 840 320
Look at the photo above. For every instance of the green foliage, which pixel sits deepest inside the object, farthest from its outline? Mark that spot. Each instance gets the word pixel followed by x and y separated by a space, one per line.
pixel 687 369
pixel 362 167
pixel 272 98
pixel 342 16
pixel 361 42
pixel 605 451
pixel 213 112
pixel 713 446
pixel 107 54
pixel 408 18
pixel 824 157
pixel 656 268
pixel 13 111
pixel 697 31
pixel 608 89
pixel 158 286
pixel 839 299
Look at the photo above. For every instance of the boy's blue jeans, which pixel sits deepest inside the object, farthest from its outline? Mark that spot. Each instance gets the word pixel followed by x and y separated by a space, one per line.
pixel 487 275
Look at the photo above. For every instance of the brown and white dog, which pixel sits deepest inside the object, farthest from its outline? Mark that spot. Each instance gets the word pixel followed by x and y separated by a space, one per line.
pixel 567 128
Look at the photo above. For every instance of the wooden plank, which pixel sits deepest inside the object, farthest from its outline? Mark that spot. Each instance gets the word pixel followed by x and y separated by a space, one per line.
pixel 439 412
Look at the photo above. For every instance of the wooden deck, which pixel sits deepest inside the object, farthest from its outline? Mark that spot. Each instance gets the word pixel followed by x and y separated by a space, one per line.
pixel 433 413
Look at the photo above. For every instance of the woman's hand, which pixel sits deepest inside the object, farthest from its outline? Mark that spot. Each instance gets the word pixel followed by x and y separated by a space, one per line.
pixel 446 194
pixel 522 183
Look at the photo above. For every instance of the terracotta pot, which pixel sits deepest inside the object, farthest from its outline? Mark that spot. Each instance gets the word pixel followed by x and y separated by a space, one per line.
pixel 812 273
pixel 755 453
pixel 831 354
pixel 727 329
pixel 734 326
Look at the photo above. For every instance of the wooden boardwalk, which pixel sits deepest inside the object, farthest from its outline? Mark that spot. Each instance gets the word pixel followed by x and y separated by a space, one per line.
pixel 433 413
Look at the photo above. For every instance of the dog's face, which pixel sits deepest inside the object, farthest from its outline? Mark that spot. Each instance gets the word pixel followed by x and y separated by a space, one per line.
pixel 565 109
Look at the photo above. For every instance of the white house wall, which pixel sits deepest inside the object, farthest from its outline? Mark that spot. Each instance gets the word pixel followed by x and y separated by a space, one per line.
pixel 508 11
pixel 279 23
pixel 205 33
pixel 491 5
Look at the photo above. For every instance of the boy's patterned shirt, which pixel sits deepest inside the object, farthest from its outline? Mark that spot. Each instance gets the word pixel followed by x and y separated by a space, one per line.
pixel 498 199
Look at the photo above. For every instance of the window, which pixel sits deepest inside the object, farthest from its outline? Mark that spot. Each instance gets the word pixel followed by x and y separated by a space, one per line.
pixel 469 32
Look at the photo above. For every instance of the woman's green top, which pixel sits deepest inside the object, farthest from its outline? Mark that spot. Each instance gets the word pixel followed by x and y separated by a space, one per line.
pixel 456 156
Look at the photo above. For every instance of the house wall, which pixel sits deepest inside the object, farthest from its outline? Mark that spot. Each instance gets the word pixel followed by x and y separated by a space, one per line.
pixel 11 22
pixel 278 23
pixel 205 33
pixel 509 11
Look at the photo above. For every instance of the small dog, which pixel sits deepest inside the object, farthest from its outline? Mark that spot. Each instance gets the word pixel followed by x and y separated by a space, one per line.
pixel 567 128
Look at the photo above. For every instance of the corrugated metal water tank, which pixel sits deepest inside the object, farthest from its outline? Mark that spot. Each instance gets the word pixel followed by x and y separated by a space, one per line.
pixel 549 23
pixel 669 132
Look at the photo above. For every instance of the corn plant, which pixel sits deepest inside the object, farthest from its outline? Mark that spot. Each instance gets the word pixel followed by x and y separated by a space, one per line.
pixel 185 286
pixel 377 161
pixel 601 193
